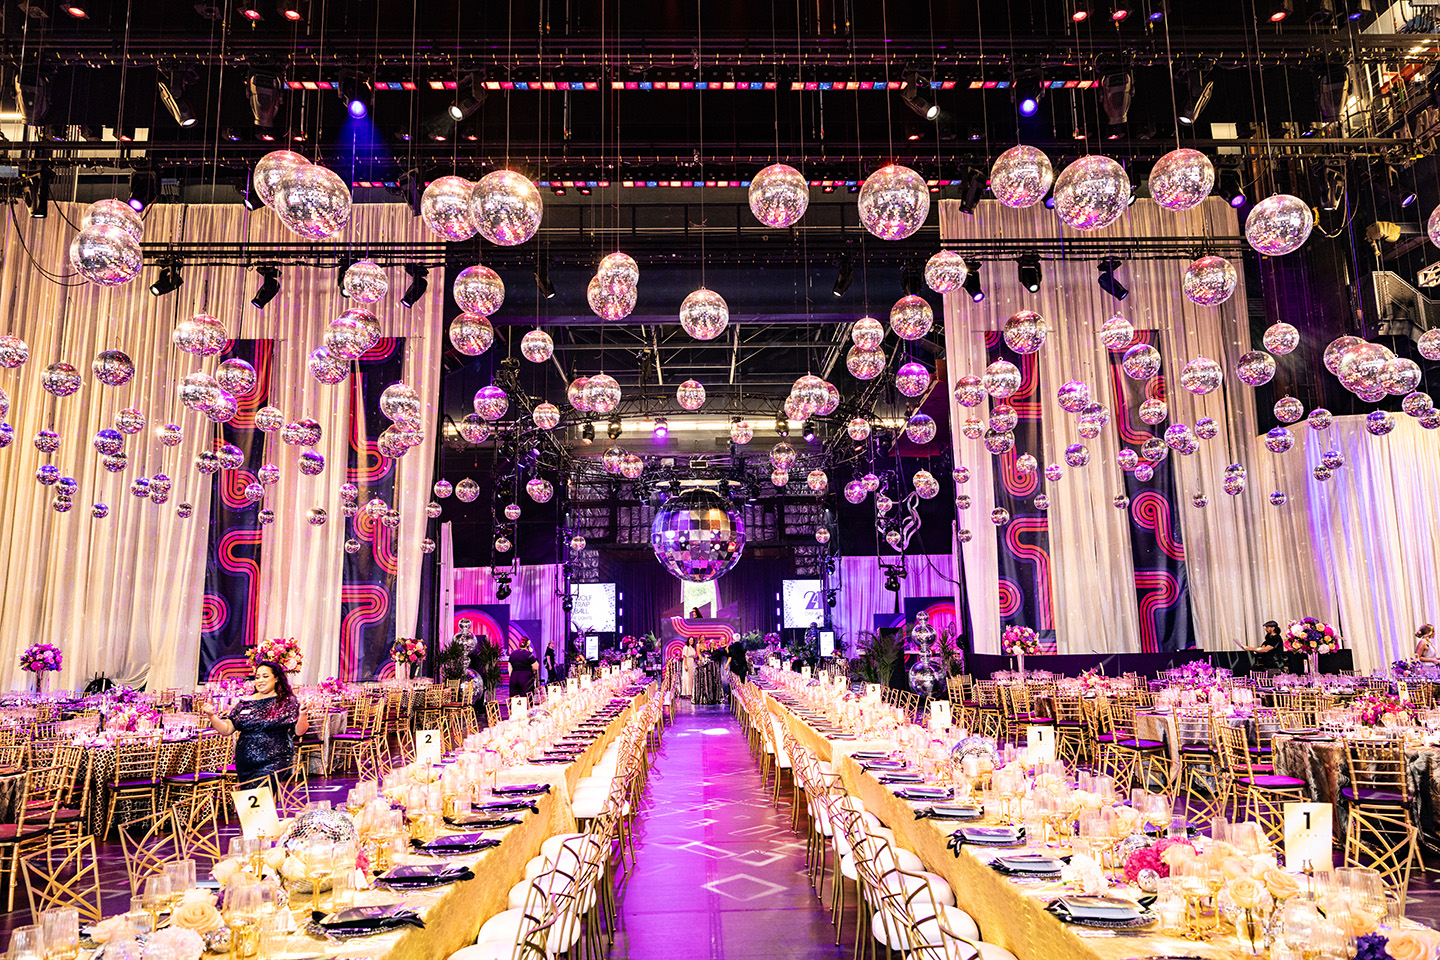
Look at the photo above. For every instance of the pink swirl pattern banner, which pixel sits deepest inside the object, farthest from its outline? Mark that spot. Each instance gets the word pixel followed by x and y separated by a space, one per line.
pixel 229 613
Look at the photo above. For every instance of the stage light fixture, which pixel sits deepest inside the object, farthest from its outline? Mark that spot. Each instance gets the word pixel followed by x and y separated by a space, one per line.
pixel 1232 188
pixel 587 433
pixel 844 276
pixel 77 11
pixel 1027 93
pixel 808 431
pixel 919 104
pixel 37 194
pixel 1156 10
pixel 1280 9
pixel 1107 280
pixel 470 93
pixel 614 429
pixel 542 280
pixel 263 91
pixel 32 95
pixel 661 429
pixel 972 281
pixel 1120 12
pixel 584 191
pixel 352 93
pixel 1028 267
pixel 1198 88
pixel 972 187
pixel 248 191
pixel 172 86
pixel 292 10
pixel 269 287
pixel 419 283
pixel 1359 9
pixel 1116 92
pixel 1322 11
pixel 168 281
pixel 782 424
pixel 1409 199
pixel 831 596
pixel 251 11
pixel 144 188
pixel 1332 177
pixel 502 586
pixel 1079 10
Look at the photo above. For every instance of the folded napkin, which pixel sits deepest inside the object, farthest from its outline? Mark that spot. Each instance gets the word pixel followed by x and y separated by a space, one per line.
pixel 364 921
pixel 902 776
pixel 415 876
pixel 483 822
pixel 458 843
pixel 985 836
pixel 923 793
pixel 494 805
pixel 564 759
pixel 948 811
pixel 1023 864
pixel 859 755
pixel 869 765
pixel 1083 909
pixel 521 789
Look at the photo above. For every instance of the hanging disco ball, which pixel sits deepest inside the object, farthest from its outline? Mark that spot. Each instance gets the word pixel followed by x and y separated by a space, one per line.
pixel 704 314
pixel 471 334
pixel 832 399
pixel 107 442
pixel 855 491
pixel 577 543
pixel 224 408
pixel 972 427
pixel 602 393
pixel 1207 428
pixel 925 484
pixel 539 489
pixel 365 282
pixel 1201 376
pixel 822 534
pixel 1077 455
pixel 741 431
pixel 13 352
pixel 1209 281
pixel 867 333
pixel 1281 338
pixel 999 516
pixel 347 337
pixel 47 441
pixel 1399 376
pixel 697 535
pixel 546 416
pixel 1279 225
pixel 442 489
pixel 782 456
pixel 894 202
pixel 503 544
pixel 779 478
pixel 1073 395
pixel 611 459
pixel 1379 422
pixel 491 402
pixel 1255 368
pixel 920 428
pixel 618 270
pixel 864 364
pixel 445 208
pixel 912 379
pixel 1289 409
pixel 326 367
pixel 113 368
pixel 1154 412
pixel 393 442
pixel 575 394
pixel 467 490
pixel 106 255
pixel 1117 334
pixel 311 463
pixel 1428 345
pixel 690 395
pixel 817 481
pixel 1004 417
pixel 610 302
pixel 911 317
pixel 1126 458
pixel 1333 459
pixel 779 195
pixel 506 207
pixel 632 467
pixel 473 429
pixel 536 346
pixel 871 482
pixel 271 169
pixel 858 429
pixel 809 395
pixel 1182 179
pixel 1091 193
pixel 969 391
pixel 1025 332
pixel 400 403
pixel 1021 176
pixel 1141 362
pixel 1001 379
pixel 999 441
pixel 237 376
pixel 114 213
pixel 60 379
pixel 1320 419
pixel 479 290
pixel 1417 404
pixel 1337 350
pixel 1279 440
pixel 312 201
pixel 946 272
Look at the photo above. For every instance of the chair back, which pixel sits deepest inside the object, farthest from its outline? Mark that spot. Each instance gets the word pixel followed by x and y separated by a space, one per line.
pixel 149 845
pixel 1195 726
pixel 1234 748
pixel 55 882
pixel 135 760
pixel 1378 766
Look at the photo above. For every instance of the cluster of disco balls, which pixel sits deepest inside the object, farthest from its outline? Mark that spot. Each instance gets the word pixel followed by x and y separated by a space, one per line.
pixel 598 394
pixel 619 463
pixel 811 396
pixel 613 290
pixel 356 331
pixel 866 360
pixel 1372 372
pixel 376 511
pixel 312 201
pixel 106 251
pixel 503 206
pixel 400 404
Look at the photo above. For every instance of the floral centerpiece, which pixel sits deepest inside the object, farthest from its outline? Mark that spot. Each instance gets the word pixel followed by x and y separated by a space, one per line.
pixel 40 659
pixel 1386 711
pixel 133 717
pixel 1019 641
pixel 633 646
pixel 282 650
pixel 1310 636
pixel 335 687
pixel 406 652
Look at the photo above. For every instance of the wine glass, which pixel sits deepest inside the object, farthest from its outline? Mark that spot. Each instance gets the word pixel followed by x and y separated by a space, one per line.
pixel 62 933
pixel 242 916
pixel 156 897
pixel 319 861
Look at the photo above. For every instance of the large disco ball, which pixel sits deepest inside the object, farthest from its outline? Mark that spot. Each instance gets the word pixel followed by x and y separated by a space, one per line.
pixel 445 208
pixel 911 317
pixel 473 429
pixel 817 480
pixel 201 335
pixel 920 428
pixel 114 213
pixel 326 367
pixel 779 195
pixel 602 393
pixel 1154 412
pixel 540 489
pixel 237 376
pixel 946 272
pixel 106 255
pixel 401 403
pixel 925 484
pixel 1091 193
pixel 365 282
pixel 610 302
pixel 60 379
pixel 1281 338
pixel 704 314
pixel 1141 362
pixel 546 416
pixel 1201 376
pixel 506 207
pixel 271 169
pixel 894 202
pixel 1428 344
pixel 1207 428
pixel 1417 404
pixel 1001 379
pixel 631 467
pixel 1117 334
pixel 1279 440
pixel 1399 376
pixel 690 395
pixel 479 290
pixel 782 456
pixel 1379 422
pixel 612 459
pixel 858 429
pixel 575 394
pixel 1255 368
pixel 467 490
pixel 698 535
pixel 1181 179
pixel 471 334
pixel 1279 225
pixel 741 432
pixel 809 395
pixel 1025 332
pixel 1289 409
pixel 618 270
pixel 969 391
pixel 312 201
pixel 491 402
pixel 347 336
pixel 864 364
pixel 536 346
pixel 13 352
pixel 867 333
pixel 854 491
pixel 912 378
pixel 1073 396
pixel 1021 176
pixel 1004 417
pixel 1209 281
pixel 1335 352
pixel 111 367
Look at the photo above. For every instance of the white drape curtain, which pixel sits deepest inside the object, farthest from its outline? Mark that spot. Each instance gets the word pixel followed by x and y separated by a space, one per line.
pixel 122 595
pixel 1247 561
pixel 532 596
pixel 863 593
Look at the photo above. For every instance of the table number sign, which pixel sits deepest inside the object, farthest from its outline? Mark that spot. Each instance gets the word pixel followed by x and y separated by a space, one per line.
pixel 1040 738
pixel 519 706
pixel 430 744
pixel 805 673
pixel 257 812
pixel 872 691
pixel 1309 835
pixel 572 684
pixel 939 715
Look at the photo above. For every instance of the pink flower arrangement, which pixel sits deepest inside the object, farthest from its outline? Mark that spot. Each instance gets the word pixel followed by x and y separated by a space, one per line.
pixel 282 650
pixel 132 718
pixel 407 650
pixel 1019 640
pixel 1377 711
pixel 41 658
pixel 1146 859
pixel 1309 635
pixel 334 687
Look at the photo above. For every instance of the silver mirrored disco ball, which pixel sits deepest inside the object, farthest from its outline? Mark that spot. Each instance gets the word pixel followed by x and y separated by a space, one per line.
pixel 698 535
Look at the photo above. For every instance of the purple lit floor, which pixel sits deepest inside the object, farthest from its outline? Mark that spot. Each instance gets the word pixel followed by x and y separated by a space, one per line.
pixel 720 873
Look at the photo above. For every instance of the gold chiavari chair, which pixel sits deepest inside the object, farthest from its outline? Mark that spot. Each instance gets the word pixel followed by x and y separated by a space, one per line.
pixel 1204 799
pixel 1255 790
pixel 292 789
pixel 357 744
pixel 960 689
pixel 202 787
pixel 61 877
pixel 1140 758
pixel 989 712
pixel 1379 831
pixel 149 844
pixel 459 714
pixel 21 836
pixel 135 779
pixel 312 742
pixel 492 712
pixel 1070 741
pixel 431 713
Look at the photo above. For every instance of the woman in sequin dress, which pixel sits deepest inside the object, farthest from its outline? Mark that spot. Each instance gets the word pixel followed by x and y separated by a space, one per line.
pixel 269 722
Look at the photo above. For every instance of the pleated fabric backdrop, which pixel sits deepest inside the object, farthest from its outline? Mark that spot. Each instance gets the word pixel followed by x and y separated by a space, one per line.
pixel 122 596
pixel 1246 560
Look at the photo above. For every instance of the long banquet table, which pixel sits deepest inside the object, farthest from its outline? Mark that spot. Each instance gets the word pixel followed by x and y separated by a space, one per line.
pixel 1009 914
pixel 453 914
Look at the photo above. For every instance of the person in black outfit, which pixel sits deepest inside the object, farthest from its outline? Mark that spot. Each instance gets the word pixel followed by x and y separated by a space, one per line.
pixel 1269 654
pixel 739 666
pixel 550 676
pixel 269 722
pixel 522 672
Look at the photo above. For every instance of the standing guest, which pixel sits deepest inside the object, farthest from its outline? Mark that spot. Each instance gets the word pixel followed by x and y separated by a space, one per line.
pixel 739 666
pixel 687 669
pixel 522 672
pixel 269 721
pixel 1425 644
pixel 549 664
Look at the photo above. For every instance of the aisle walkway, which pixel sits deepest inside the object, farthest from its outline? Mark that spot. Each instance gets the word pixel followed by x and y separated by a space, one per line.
pixel 720 874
